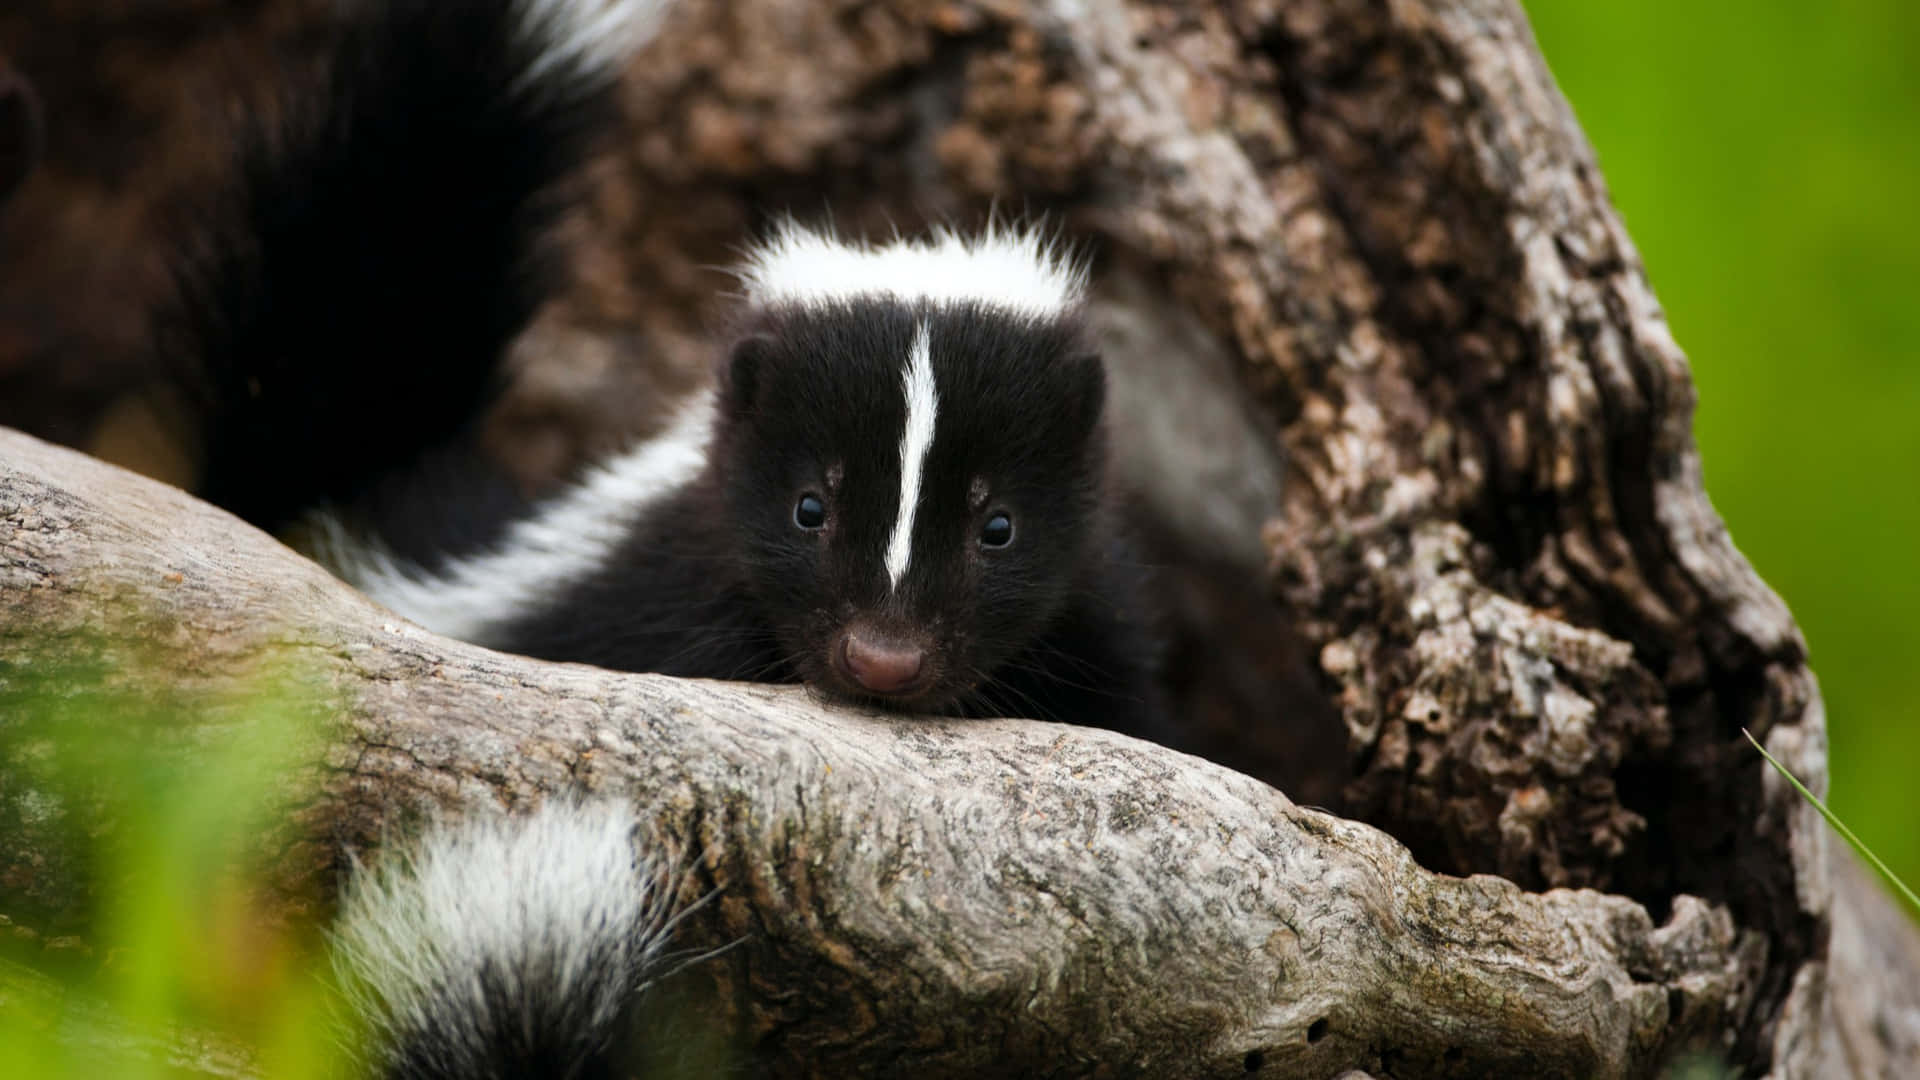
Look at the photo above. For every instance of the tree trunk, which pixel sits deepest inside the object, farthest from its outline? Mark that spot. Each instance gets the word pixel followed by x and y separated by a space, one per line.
pixel 1493 539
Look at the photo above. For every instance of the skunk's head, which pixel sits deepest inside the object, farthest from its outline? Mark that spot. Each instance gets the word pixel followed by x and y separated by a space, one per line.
pixel 912 443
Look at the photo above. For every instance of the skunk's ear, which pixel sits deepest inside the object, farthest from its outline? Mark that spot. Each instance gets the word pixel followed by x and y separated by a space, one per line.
pixel 20 129
pixel 744 372
pixel 1087 398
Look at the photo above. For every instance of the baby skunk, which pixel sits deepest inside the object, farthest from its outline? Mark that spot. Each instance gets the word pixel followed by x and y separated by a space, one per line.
pixel 506 947
pixel 897 493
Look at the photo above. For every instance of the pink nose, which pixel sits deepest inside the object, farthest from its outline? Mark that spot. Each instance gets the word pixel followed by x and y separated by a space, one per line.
pixel 879 664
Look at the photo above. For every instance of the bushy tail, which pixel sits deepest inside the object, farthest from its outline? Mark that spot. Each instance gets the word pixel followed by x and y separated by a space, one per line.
pixel 506 947
pixel 346 309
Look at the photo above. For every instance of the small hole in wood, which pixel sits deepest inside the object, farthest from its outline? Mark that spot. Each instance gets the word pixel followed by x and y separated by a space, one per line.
pixel 1317 1030
pixel 1255 1059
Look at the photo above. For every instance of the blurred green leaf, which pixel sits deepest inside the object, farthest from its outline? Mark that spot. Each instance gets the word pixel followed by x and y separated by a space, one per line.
pixel 131 814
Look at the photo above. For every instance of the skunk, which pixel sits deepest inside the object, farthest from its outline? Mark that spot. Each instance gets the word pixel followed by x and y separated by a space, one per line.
pixel 897 493
pixel 506 947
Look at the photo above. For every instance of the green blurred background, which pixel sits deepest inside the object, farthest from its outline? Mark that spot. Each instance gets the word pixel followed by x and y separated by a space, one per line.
pixel 1766 157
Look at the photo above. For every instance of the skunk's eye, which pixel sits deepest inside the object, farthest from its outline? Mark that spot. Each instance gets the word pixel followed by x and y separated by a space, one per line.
pixel 810 512
pixel 997 532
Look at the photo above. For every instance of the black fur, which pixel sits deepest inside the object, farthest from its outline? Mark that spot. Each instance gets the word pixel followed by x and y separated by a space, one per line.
pixel 347 306
pixel 520 1033
pixel 719 581
pixel 21 129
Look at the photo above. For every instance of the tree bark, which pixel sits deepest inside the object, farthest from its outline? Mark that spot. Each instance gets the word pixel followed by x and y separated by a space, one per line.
pixel 1538 639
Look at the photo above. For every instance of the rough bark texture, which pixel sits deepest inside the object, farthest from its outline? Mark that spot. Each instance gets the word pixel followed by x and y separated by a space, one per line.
pixel 1494 541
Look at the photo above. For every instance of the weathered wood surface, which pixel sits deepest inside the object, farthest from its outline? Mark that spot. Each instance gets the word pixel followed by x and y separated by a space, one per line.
pixel 983 894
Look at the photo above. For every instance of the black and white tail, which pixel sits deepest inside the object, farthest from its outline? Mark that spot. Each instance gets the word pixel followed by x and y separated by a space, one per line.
pixel 506 947
pixel 345 309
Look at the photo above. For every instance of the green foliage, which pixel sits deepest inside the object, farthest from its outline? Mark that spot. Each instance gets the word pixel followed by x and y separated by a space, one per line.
pixel 148 929
pixel 1766 160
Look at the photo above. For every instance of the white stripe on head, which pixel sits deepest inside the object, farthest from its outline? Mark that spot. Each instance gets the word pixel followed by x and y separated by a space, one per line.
pixel 563 540
pixel 1020 270
pixel 582 39
pixel 916 437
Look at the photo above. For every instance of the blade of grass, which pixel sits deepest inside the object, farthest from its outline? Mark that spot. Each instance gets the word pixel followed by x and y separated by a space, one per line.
pixel 1838 825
